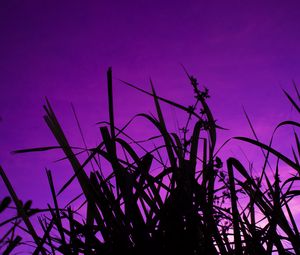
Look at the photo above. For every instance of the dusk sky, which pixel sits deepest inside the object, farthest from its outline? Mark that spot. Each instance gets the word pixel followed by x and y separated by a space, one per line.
pixel 245 52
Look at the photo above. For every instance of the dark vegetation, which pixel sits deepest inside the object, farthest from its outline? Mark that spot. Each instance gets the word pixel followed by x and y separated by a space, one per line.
pixel 189 206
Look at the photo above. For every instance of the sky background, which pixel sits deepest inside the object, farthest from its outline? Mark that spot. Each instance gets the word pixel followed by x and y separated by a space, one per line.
pixel 245 52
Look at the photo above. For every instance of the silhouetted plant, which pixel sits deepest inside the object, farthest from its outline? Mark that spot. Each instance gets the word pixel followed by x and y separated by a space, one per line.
pixel 190 205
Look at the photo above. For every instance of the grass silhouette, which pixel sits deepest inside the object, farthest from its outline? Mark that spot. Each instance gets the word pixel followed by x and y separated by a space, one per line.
pixel 189 206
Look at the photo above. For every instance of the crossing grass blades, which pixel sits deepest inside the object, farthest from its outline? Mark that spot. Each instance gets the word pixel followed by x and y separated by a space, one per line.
pixel 188 205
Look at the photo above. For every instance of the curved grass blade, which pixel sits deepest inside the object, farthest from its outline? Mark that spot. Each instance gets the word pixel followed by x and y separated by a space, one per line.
pixel 271 150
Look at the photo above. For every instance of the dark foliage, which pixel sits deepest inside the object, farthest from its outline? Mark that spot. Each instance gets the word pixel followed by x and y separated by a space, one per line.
pixel 190 205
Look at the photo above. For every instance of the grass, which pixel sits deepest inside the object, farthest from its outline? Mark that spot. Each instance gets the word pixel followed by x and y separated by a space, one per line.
pixel 191 205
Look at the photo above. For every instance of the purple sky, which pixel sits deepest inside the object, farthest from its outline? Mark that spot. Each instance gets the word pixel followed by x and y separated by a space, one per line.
pixel 243 51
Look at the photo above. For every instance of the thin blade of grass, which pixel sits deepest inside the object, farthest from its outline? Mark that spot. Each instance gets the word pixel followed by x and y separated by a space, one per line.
pixel 20 208
pixel 273 151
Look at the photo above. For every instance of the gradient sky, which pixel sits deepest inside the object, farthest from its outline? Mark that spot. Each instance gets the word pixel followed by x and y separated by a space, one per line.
pixel 243 51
